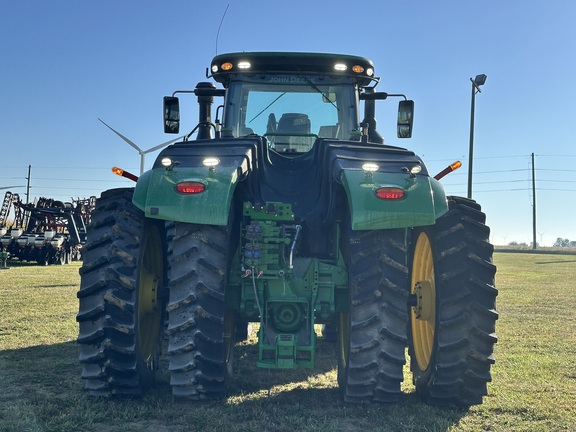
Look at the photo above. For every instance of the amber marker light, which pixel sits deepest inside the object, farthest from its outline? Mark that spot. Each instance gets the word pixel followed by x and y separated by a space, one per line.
pixel 456 165
pixel 190 187
pixel 120 172
pixel 448 170
pixel 226 66
pixel 390 193
pixel 357 68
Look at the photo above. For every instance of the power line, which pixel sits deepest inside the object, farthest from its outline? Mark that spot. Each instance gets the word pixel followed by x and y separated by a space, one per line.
pixel 83 168
pixel 503 181
pixel 516 190
pixel 483 157
pixel 78 180
pixel 558 190
pixel 508 190
pixel 509 181
pixel 65 189
pixel 540 155
pixel 496 172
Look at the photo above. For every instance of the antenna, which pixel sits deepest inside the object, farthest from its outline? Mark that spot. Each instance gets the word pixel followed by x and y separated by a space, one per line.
pixel 220 26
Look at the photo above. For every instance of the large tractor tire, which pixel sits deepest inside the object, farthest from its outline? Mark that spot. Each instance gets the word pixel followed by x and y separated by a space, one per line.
pixel 372 335
pixel 201 331
pixel 453 300
pixel 122 297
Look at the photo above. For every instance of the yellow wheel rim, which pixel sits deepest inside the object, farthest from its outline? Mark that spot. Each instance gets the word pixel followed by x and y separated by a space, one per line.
pixel 149 284
pixel 423 315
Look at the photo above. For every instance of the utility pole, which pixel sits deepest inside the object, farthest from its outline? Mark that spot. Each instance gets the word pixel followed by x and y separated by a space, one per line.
pixel 28 185
pixel 533 205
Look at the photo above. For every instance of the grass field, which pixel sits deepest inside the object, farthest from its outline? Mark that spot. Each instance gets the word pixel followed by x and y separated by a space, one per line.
pixel 533 388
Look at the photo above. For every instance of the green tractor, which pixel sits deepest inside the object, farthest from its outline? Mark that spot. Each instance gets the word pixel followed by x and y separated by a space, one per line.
pixel 289 211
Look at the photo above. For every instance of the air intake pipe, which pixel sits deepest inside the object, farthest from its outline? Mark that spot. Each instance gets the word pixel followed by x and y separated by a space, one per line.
pixel 370 115
pixel 205 92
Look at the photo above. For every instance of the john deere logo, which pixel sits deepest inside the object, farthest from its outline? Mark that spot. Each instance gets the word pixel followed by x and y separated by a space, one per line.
pixel 287 80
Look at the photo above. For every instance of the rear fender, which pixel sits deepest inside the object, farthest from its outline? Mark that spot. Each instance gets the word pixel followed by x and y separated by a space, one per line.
pixel 423 203
pixel 156 195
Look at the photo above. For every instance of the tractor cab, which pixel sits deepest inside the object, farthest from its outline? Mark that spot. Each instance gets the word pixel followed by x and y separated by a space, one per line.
pixel 291 99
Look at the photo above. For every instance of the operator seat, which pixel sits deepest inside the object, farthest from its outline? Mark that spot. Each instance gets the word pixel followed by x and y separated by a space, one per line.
pixel 293 125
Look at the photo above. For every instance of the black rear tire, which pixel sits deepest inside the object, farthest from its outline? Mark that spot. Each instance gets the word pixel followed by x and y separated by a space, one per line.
pixel 372 335
pixel 122 297
pixel 201 332
pixel 452 324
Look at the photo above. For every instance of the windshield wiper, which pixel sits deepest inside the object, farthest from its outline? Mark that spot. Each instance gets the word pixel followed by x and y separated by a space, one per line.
pixel 269 105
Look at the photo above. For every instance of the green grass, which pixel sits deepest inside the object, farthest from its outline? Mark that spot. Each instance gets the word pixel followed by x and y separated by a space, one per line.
pixel 533 388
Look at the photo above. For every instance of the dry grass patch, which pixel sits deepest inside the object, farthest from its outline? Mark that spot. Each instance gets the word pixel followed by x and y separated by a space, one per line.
pixel 533 389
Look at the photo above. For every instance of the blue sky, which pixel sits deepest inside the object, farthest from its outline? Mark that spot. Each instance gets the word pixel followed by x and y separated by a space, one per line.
pixel 67 63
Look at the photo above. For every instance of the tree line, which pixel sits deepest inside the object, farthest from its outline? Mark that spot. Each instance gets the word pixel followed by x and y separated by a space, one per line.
pixel 560 242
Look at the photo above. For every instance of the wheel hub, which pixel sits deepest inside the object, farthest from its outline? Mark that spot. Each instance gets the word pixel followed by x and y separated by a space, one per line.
pixel 424 296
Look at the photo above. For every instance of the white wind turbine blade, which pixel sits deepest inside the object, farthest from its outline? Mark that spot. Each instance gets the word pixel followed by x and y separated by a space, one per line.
pixel 159 146
pixel 124 138
pixel 142 152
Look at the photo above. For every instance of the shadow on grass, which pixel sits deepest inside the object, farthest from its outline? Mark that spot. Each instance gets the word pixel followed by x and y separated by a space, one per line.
pixel 74 285
pixel 16 263
pixel 42 384
pixel 555 262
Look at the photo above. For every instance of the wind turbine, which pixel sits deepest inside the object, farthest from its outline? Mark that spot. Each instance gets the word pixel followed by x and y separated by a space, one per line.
pixel 138 149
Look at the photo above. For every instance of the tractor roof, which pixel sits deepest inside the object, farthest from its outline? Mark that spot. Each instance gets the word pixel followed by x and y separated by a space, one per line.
pixel 357 67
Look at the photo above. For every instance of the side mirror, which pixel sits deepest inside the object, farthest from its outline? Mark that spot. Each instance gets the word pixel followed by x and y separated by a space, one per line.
pixel 405 118
pixel 171 115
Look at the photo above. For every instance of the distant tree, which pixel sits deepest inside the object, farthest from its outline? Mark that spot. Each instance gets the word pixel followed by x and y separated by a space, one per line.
pixel 560 242
pixel 518 245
